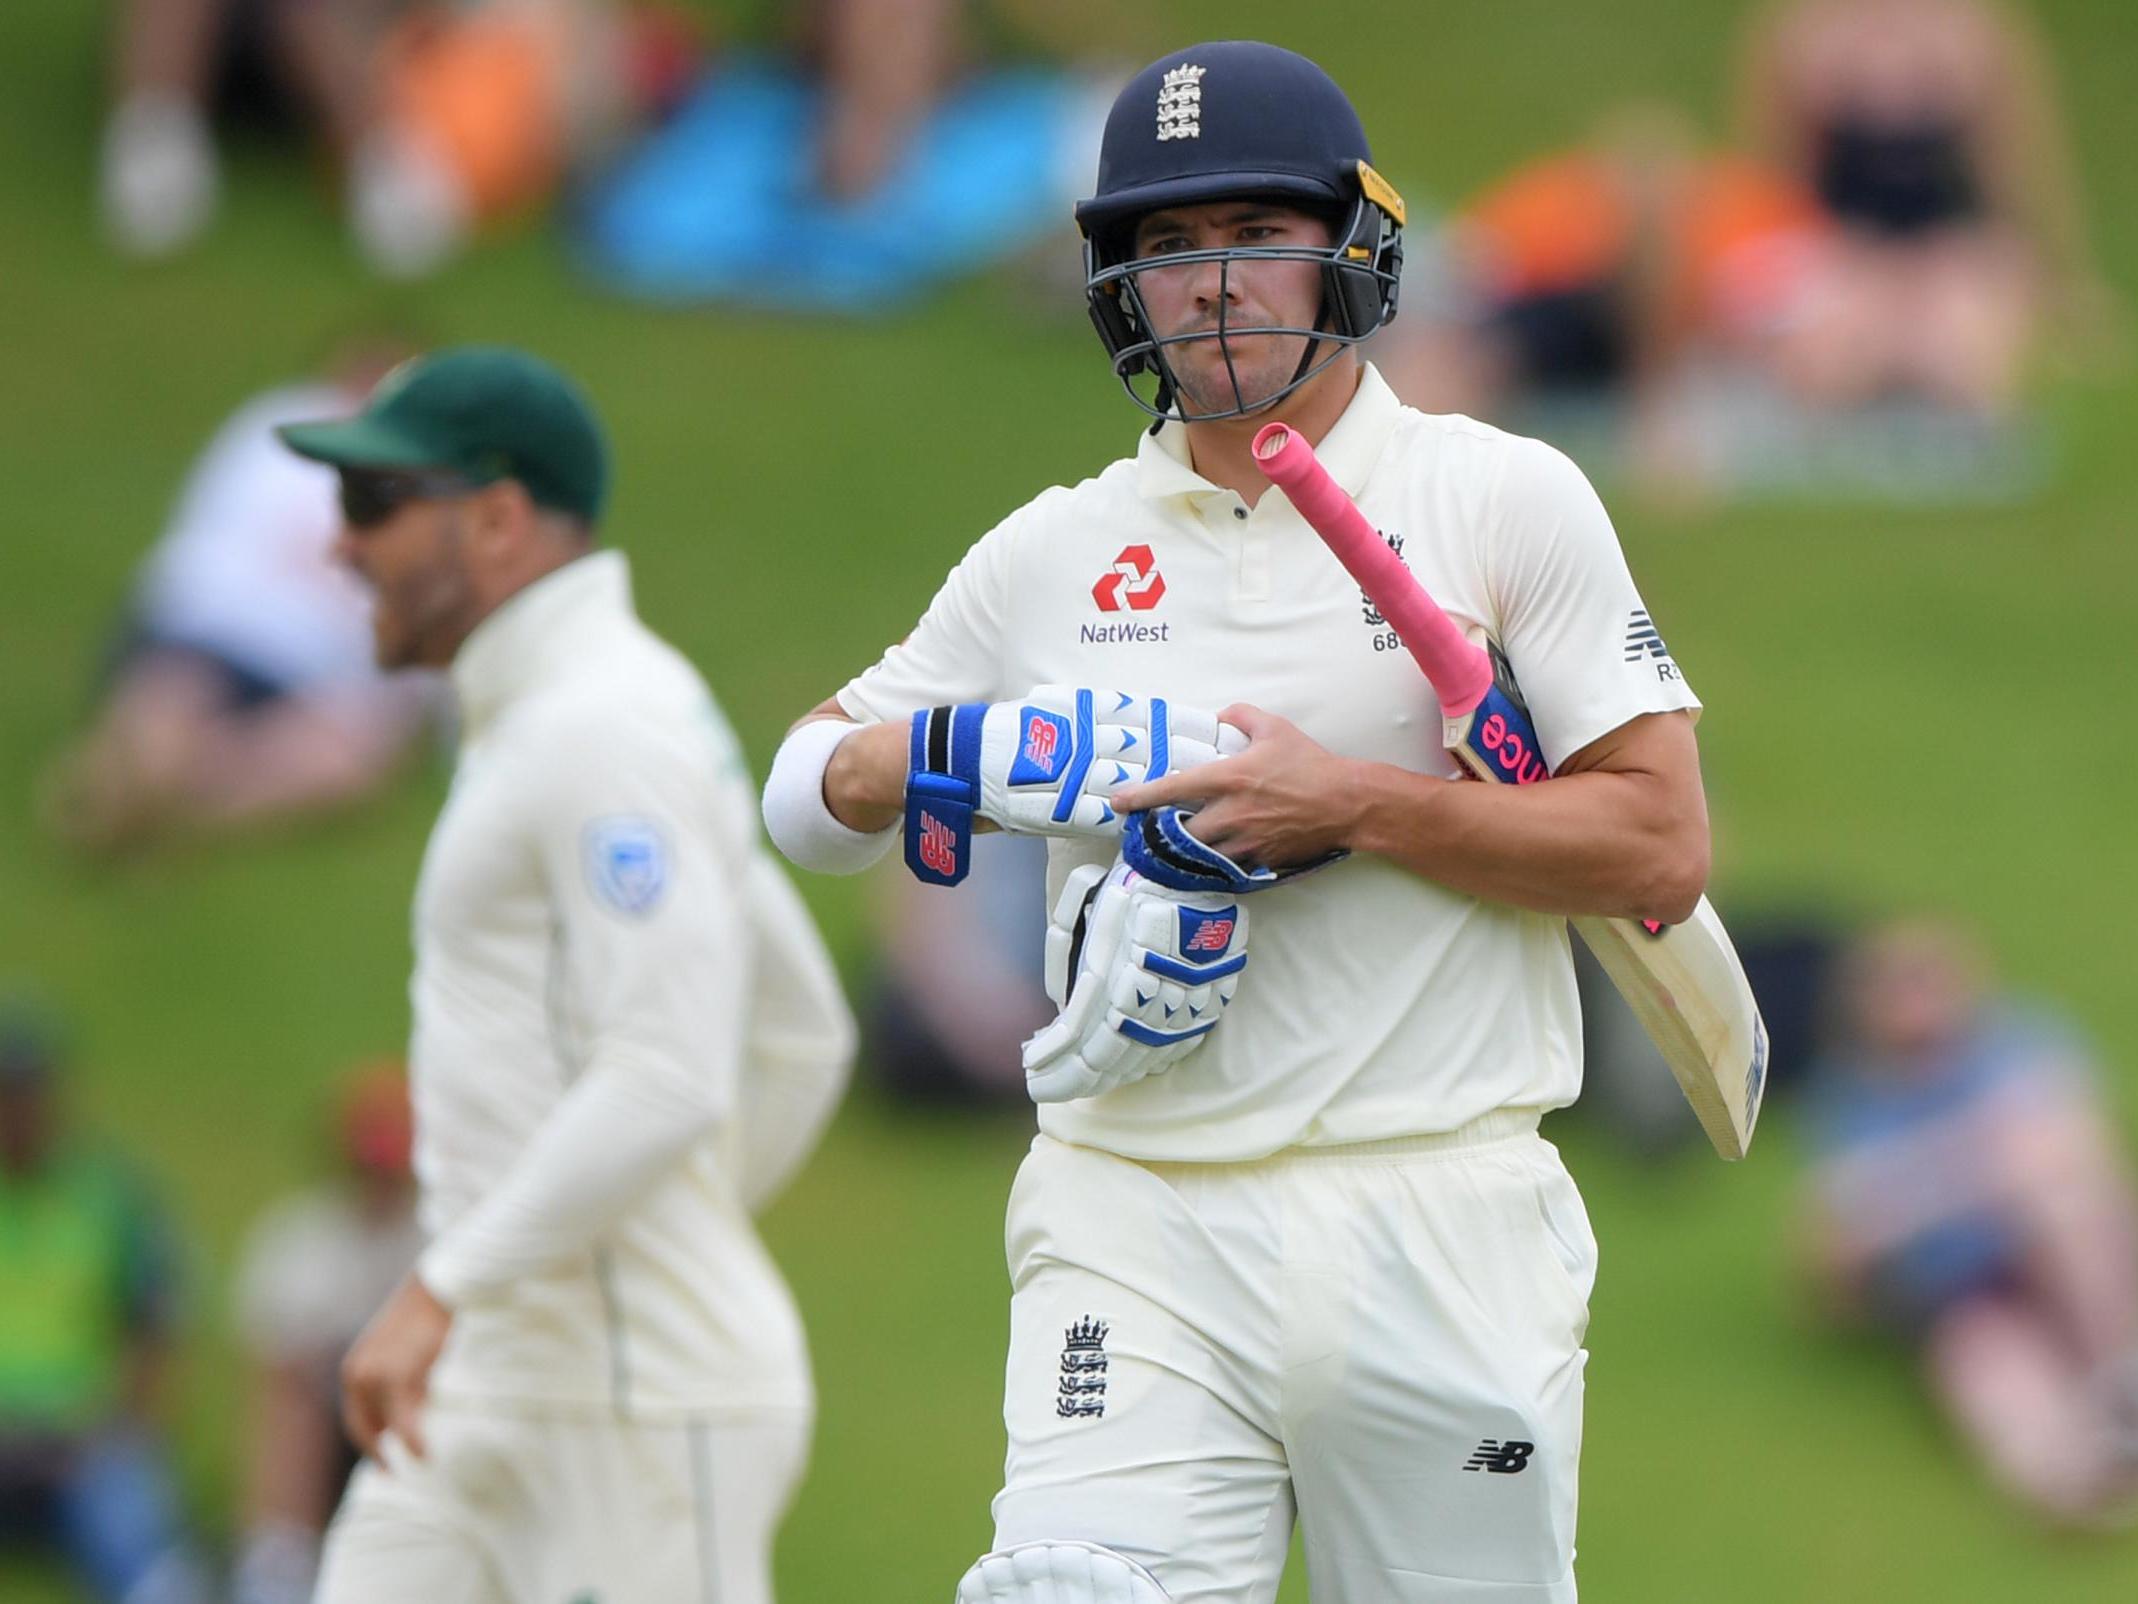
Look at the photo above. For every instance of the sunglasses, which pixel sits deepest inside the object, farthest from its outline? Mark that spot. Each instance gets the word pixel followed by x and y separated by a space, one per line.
pixel 370 497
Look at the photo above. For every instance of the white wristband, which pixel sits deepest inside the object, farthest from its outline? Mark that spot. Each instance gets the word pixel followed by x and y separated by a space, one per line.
pixel 796 818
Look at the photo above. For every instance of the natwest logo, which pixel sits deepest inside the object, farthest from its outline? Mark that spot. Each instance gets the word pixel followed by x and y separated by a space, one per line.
pixel 1134 583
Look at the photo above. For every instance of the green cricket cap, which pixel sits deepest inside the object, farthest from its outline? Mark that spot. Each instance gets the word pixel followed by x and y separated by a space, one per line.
pixel 484 412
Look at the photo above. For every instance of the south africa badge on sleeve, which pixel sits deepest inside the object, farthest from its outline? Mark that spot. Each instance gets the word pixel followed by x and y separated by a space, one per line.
pixel 627 864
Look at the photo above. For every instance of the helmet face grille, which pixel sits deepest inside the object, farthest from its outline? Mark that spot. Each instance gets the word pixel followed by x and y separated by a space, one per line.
pixel 1359 283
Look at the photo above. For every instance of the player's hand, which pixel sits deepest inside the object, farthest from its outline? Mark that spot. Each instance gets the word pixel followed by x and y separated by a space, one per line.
pixel 1141 975
pixel 1286 800
pixel 386 1375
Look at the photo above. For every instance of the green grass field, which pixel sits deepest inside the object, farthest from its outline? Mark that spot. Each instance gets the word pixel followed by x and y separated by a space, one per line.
pixel 1907 708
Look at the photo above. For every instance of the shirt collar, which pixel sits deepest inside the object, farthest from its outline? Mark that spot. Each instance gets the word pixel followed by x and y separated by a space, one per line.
pixel 535 631
pixel 1348 451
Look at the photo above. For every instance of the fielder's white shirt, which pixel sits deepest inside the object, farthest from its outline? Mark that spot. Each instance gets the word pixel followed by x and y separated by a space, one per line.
pixel 585 964
pixel 1375 1004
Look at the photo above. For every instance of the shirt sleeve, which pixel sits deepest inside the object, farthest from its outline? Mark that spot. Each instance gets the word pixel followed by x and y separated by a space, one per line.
pixel 955 652
pixel 654 954
pixel 1584 650
pixel 801 1042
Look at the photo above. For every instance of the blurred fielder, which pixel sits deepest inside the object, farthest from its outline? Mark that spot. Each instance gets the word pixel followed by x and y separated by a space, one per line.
pixel 593 1386
pixel 1288 1243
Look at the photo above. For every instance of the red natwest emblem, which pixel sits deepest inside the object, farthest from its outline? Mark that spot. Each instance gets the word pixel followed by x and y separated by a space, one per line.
pixel 1134 583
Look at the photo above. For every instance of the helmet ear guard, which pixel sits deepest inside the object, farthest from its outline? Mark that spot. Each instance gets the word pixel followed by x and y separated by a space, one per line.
pixel 1108 305
pixel 1366 266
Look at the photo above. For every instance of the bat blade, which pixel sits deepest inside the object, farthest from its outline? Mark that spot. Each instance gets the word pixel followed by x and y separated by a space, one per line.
pixel 1683 982
pixel 1687 987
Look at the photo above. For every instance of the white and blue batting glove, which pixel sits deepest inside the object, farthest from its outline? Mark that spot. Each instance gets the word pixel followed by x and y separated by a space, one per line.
pixel 1160 844
pixel 1044 765
pixel 1141 974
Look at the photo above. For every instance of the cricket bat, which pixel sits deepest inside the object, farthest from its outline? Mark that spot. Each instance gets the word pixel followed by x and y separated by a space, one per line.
pixel 1684 982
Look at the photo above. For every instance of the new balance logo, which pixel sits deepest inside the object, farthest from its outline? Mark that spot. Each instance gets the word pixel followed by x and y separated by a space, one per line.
pixel 1501 1458
pixel 1642 639
pixel 1081 1390
pixel 1215 936
pixel 1041 737
pixel 939 845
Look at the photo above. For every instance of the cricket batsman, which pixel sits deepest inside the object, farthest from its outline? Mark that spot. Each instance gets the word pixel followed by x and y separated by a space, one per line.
pixel 1288 1244
pixel 593 1386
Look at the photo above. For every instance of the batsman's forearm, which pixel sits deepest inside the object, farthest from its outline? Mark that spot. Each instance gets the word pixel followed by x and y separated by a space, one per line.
pixel 865 782
pixel 1601 843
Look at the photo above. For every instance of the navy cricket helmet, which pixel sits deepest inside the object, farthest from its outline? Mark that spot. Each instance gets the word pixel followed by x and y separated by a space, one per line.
pixel 1237 120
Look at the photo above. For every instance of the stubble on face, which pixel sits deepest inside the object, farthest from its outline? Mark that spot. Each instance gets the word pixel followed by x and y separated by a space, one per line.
pixel 1258 367
pixel 423 601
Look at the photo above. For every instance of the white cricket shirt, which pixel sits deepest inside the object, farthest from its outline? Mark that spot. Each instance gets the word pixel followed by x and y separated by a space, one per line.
pixel 585 964
pixel 1375 1004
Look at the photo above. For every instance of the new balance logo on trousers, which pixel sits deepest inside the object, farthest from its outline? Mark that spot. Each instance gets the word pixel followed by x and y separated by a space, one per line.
pixel 1501 1458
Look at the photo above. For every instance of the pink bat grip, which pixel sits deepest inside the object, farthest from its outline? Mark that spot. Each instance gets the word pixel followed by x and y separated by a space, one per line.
pixel 1460 671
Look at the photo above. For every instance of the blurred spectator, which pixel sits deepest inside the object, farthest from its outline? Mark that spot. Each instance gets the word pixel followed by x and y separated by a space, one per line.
pixel 243 686
pixel 314 1269
pixel 884 62
pixel 438 115
pixel 161 177
pixel 484 108
pixel 86 1295
pixel 895 136
pixel 1967 1196
pixel 1931 132
pixel 961 983
pixel 1597 271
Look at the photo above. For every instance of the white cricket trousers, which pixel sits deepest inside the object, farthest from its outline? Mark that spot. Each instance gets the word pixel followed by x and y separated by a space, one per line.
pixel 1381 1340
pixel 509 1509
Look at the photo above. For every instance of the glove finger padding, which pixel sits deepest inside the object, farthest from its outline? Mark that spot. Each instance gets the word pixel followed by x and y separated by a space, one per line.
pixel 1159 845
pixel 1049 763
pixel 1142 974
pixel 1067 929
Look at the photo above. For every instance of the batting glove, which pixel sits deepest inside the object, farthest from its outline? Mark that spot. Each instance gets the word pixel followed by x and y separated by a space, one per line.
pixel 1160 844
pixel 1141 975
pixel 1045 765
